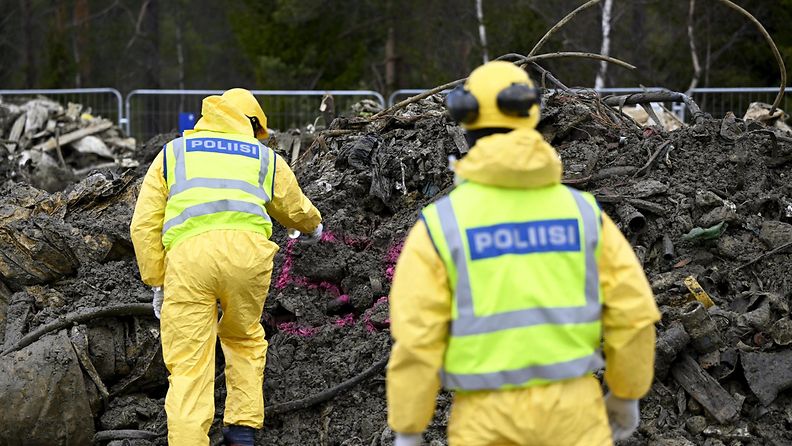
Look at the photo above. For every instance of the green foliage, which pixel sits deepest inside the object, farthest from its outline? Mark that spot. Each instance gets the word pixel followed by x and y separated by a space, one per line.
pixel 307 44
pixel 324 44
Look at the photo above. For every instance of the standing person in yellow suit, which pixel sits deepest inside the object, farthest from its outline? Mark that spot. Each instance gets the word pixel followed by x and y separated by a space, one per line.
pixel 201 232
pixel 505 289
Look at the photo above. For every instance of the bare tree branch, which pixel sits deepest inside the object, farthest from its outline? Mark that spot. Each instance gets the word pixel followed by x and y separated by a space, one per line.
pixel 776 53
pixel 563 54
pixel 139 24
pixel 520 59
pixel 98 15
pixel 693 55
pixel 560 24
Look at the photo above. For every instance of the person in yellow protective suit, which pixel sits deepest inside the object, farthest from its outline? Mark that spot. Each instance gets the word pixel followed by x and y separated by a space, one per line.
pixel 505 290
pixel 201 232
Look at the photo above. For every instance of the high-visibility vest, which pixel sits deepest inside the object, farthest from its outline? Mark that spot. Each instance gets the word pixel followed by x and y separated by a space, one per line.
pixel 526 298
pixel 216 181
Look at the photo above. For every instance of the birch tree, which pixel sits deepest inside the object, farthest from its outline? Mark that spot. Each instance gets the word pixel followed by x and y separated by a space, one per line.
pixel 482 31
pixel 607 9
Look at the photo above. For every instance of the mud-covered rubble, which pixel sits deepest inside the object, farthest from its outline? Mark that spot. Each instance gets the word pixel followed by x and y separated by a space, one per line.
pixel 50 146
pixel 707 207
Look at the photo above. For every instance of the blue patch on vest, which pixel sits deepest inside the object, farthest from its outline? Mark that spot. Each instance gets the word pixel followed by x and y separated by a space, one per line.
pixel 227 146
pixel 524 238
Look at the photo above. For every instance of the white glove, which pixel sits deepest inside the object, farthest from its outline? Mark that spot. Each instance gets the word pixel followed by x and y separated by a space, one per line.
pixel 623 416
pixel 315 235
pixel 159 296
pixel 407 439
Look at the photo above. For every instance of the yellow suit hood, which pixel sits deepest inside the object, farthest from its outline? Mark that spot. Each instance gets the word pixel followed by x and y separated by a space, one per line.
pixel 518 159
pixel 229 113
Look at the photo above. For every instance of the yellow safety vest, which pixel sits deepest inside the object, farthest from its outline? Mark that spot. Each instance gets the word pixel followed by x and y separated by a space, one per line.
pixel 526 300
pixel 216 181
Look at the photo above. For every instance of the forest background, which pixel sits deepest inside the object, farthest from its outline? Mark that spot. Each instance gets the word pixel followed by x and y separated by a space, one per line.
pixel 375 44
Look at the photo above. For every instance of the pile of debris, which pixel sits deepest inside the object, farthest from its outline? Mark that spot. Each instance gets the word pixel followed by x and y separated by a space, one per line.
pixel 708 208
pixel 49 146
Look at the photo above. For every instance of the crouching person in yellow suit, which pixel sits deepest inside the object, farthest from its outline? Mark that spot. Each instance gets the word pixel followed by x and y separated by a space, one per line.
pixel 506 288
pixel 201 232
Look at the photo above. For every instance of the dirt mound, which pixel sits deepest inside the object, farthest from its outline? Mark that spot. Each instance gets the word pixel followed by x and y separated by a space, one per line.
pixel 703 202
pixel 700 205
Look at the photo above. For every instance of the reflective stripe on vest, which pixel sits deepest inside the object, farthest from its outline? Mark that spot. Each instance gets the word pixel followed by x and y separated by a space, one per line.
pixel 552 372
pixel 214 207
pixel 241 197
pixel 467 323
pixel 183 184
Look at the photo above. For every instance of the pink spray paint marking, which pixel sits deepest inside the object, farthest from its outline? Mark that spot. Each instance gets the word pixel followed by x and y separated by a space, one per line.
pixel 346 321
pixel 287 277
pixel 296 329
pixel 391 258
pixel 370 327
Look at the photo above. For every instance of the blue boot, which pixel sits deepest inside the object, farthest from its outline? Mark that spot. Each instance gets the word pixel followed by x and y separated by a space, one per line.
pixel 239 435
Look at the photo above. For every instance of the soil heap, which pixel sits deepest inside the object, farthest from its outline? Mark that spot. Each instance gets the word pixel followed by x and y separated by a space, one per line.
pixel 707 207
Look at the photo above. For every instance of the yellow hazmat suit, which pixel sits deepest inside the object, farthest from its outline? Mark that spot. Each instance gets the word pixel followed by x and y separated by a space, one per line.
pixel 568 412
pixel 230 266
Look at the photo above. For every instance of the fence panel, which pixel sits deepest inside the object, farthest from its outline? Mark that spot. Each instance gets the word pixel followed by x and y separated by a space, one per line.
pixel 718 101
pixel 151 112
pixel 400 95
pixel 678 109
pixel 104 102
pixel 715 101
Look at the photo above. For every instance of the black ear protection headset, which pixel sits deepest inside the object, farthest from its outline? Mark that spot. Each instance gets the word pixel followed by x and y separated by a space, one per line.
pixel 514 100
pixel 254 122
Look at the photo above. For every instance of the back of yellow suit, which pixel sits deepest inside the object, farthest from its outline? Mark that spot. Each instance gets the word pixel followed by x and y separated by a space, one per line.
pixel 229 266
pixel 561 413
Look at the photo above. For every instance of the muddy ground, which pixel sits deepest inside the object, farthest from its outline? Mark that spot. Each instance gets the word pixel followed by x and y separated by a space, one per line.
pixel 713 197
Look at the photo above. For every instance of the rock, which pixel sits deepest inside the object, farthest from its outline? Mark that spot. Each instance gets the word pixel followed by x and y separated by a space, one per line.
pixel 34 251
pixel 731 247
pixel 726 213
pixel 775 233
pixel 767 373
pixel 707 199
pixel 648 188
pixel 781 331
pixel 696 425
pixel 44 385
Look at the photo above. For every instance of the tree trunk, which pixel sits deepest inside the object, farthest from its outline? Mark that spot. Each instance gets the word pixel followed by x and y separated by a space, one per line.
pixel 150 29
pixel 390 60
pixel 693 54
pixel 482 31
pixel 638 36
pixel 607 9
pixel 27 25
pixel 80 35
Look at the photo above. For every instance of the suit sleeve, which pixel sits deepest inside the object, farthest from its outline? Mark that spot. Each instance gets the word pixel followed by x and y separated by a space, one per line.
pixel 629 315
pixel 420 305
pixel 147 221
pixel 289 206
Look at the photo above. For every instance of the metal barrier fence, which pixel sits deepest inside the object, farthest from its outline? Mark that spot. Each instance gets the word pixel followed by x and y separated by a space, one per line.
pixel 405 93
pixel 104 102
pixel 715 101
pixel 677 108
pixel 718 101
pixel 151 112
pixel 146 113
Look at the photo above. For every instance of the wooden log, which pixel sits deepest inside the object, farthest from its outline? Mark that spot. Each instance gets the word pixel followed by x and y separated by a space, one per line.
pixel 705 389
pixel 73 136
